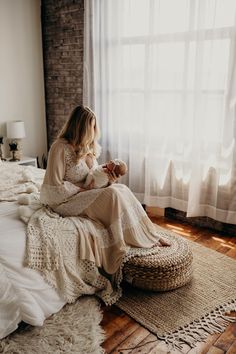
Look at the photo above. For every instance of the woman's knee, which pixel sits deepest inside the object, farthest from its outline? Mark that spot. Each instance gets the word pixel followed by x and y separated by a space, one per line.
pixel 120 187
pixel 113 191
pixel 119 191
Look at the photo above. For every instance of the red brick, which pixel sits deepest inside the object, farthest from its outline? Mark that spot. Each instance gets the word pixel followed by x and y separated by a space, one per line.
pixel 62 30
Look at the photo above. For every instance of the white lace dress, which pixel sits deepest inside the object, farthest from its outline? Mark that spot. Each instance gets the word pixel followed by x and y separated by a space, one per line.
pixel 111 222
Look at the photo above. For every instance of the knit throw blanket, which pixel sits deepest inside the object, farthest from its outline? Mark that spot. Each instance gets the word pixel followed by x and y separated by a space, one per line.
pixel 53 249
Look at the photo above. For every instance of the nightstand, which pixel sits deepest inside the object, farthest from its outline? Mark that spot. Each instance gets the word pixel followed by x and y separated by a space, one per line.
pixel 25 161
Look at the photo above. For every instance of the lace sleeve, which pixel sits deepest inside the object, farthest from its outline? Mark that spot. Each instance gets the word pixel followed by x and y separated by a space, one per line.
pixel 54 189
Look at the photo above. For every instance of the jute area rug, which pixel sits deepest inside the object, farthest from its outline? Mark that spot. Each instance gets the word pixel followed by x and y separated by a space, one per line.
pixel 74 329
pixel 188 314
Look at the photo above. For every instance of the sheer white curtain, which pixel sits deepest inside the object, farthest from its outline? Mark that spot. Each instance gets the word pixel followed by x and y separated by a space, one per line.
pixel 161 77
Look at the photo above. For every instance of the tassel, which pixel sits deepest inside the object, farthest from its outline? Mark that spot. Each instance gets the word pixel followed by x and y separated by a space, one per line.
pixel 198 330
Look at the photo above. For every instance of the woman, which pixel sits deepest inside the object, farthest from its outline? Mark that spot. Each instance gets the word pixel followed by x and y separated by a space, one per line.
pixel 114 208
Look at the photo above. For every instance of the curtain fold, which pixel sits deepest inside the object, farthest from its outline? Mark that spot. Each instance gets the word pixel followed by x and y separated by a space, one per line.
pixel 161 77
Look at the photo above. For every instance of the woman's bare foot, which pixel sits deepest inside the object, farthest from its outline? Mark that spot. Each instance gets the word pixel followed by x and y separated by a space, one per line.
pixel 162 242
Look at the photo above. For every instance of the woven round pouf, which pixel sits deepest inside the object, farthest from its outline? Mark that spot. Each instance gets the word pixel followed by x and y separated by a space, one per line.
pixel 167 269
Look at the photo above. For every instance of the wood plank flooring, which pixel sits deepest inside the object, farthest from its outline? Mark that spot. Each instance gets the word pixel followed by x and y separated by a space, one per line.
pixel 123 332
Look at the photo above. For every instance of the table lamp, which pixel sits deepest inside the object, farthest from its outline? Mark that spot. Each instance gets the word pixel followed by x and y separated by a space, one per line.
pixel 15 132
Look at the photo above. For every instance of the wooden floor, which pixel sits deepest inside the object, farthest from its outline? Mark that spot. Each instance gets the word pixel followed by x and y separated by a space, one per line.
pixel 123 332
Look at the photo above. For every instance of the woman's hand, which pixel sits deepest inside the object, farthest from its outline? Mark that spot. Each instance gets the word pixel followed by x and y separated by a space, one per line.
pixel 90 186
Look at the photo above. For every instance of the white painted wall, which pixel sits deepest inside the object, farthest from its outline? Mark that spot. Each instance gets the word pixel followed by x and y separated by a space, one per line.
pixel 21 73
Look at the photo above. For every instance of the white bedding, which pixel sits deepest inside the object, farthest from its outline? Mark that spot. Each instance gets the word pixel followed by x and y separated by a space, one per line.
pixel 24 295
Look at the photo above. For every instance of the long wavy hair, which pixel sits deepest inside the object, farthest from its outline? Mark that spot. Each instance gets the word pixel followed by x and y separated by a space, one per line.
pixel 78 132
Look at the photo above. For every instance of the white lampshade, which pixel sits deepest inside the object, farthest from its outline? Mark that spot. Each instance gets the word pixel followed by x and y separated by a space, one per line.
pixel 16 129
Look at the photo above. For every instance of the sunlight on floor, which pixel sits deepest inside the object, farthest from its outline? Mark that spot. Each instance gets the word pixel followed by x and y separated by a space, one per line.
pixel 224 243
pixel 182 233
pixel 227 246
pixel 174 227
pixel 219 239
pixel 178 230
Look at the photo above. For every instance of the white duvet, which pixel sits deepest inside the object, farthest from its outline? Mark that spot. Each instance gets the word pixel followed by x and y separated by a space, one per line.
pixel 24 295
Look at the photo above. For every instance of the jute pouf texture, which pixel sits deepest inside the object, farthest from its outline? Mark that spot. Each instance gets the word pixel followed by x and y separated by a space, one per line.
pixel 169 268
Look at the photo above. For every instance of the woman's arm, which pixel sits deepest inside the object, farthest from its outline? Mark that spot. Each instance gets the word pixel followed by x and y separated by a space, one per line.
pixel 55 171
pixel 87 185
pixel 55 189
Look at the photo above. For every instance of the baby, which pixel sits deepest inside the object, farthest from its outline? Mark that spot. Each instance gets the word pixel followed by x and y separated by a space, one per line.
pixel 99 176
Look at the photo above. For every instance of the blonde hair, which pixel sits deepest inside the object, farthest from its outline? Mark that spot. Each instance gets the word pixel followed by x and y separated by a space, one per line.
pixel 77 131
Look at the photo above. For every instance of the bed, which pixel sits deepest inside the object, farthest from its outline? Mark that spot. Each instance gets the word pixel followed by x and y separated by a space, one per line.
pixel 24 294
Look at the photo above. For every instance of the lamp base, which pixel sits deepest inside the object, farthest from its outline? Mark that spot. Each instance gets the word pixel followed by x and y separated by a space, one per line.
pixel 13 160
pixel 18 152
pixel 15 156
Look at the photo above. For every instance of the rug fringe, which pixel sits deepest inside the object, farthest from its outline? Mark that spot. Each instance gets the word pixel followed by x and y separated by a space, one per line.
pixel 214 322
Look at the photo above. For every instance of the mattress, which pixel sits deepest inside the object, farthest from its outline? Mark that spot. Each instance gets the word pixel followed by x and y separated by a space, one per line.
pixel 24 295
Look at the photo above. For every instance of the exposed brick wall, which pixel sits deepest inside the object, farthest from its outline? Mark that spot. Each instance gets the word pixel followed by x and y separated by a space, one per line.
pixel 62 28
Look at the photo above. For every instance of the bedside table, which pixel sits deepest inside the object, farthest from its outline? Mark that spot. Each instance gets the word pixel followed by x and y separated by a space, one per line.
pixel 25 161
